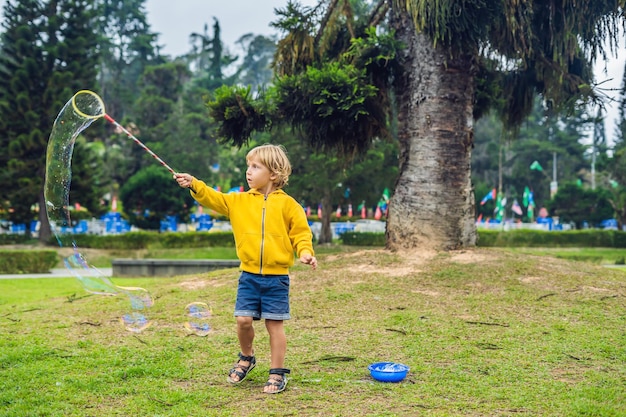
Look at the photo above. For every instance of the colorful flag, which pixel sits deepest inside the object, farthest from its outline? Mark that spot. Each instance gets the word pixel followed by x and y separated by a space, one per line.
pixel 491 195
pixel 536 166
pixel 525 196
pixel 516 208
pixel 386 195
pixel 500 205
pixel 350 210
pixel 531 198
pixel 378 214
pixel 338 212
pixel 531 205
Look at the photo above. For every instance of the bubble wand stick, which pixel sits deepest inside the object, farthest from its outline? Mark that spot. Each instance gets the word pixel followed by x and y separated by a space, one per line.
pixel 138 142
pixel 91 96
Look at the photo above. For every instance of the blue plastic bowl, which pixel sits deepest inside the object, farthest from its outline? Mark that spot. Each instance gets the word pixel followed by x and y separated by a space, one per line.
pixel 388 371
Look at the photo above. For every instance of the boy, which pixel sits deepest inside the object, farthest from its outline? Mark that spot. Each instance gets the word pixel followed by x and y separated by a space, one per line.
pixel 268 226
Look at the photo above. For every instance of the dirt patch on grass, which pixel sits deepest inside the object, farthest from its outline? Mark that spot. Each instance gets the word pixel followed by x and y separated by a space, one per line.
pixel 358 254
pixel 530 280
pixel 468 257
pixel 392 271
pixel 213 281
pixel 200 283
pixel 195 284
pixel 384 262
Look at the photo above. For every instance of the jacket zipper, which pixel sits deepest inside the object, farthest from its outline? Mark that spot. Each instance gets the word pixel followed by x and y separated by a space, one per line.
pixel 262 235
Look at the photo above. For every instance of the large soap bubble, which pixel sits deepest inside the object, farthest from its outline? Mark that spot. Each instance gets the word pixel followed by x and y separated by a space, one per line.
pixel 78 113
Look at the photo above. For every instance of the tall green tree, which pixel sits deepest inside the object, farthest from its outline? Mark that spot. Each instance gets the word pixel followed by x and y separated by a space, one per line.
pixel 172 114
pixel 256 68
pixel 619 140
pixel 504 162
pixel 547 137
pixel 147 200
pixel 127 46
pixel 48 53
pixel 210 59
pixel 599 149
pixel 577 204
pixel 616 178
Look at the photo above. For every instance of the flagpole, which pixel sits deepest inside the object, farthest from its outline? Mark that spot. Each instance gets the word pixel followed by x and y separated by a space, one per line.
pixel 554 185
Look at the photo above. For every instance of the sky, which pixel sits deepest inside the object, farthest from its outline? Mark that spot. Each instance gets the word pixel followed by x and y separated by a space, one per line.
pixel 175 20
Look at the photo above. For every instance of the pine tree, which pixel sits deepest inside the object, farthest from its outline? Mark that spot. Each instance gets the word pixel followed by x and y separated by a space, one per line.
pixel 48 53
pixel 620 131
pixel 128 46
pixel 210 59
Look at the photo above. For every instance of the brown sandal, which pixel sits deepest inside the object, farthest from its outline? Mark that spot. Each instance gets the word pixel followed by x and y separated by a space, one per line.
pixel 277 379
pixel 240 370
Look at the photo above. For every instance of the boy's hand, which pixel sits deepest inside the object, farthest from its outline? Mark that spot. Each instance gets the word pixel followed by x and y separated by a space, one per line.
pixel 183 179
pixel 309 259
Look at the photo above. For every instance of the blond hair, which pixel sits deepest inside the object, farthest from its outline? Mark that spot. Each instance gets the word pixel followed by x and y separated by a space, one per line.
pixel 274 157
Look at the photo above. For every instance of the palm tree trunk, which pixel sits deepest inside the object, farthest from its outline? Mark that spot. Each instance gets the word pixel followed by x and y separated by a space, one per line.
pixel 433 203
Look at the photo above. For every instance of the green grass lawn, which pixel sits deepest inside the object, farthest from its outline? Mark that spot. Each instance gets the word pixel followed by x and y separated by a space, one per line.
pixel 486 332
pixel 605 256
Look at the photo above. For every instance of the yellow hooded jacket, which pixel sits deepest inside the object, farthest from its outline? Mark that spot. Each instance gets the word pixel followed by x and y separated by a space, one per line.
pixel 267 230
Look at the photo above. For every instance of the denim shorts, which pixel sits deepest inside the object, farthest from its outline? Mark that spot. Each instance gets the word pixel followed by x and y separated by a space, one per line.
pixel 263 296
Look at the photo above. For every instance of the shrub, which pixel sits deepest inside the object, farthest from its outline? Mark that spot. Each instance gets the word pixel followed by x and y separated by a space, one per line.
pixel 145 240
pixel 363 238
pixel 27 261
pixel 12 239
pixel 590 238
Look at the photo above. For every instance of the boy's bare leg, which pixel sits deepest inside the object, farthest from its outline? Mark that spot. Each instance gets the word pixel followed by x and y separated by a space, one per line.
pixel 245 333
pixel 278 346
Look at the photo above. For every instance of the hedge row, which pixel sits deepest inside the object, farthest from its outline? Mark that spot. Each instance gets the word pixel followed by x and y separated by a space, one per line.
pixel 590 238
pixel 486 238
pixel 27 261
pixel 154 240
pixel 363 239
pixel 514 238
pixel 13 239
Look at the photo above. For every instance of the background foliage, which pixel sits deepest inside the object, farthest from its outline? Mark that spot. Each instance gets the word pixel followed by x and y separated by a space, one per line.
pixel 170 104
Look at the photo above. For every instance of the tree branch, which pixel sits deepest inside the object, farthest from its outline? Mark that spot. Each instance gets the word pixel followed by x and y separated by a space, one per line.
pixel 331 8
pixel 379 13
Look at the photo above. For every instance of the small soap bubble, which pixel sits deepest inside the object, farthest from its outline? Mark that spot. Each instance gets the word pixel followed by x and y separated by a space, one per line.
pixel 197 316
pixel 135 322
